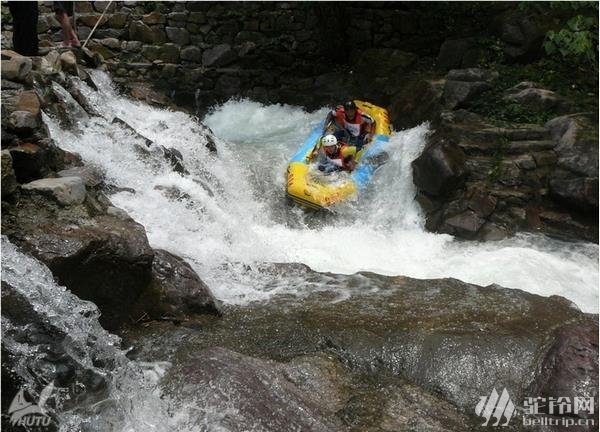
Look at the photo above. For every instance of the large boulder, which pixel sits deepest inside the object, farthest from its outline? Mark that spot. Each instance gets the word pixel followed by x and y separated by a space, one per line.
pixel 458 53
pixel 176 292
pixel 580 192
pixel 522 35
pixel 418 101
pixel 568 368
pixel 491 337
pixel 577 138
pixel 464 85
pixel 534 99
pixel 103 258
pixel 440 168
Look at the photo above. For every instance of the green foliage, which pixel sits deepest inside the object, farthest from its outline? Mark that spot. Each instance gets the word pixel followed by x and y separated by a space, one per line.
pixel 577 42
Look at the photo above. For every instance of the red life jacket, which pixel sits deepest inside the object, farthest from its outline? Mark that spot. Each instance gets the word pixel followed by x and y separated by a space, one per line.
pixel 355 126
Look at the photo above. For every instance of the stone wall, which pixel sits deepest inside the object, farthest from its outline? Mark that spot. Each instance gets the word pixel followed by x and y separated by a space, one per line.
pixel 203 52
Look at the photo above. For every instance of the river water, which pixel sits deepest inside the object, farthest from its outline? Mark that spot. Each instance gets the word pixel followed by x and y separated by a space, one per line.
pixel 232 214
pixel 229 216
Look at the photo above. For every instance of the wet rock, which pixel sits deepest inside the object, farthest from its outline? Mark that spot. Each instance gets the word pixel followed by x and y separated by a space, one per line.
pixel 99 257
pixel 176 291
pixel 321 376
pixel 464 225
pixel 263 398
pixel 90 175
pixel 568 367
pixel 492 232
pixel 49 354
pixel 439 169
pixel 405 331
pixel 579 192
pixel 9 181
pixel 24 122
pixel 563 225
pixel 410 408
pixel 174 157
pixel 219 55
pixel 481 202
pixel 577 137
pixel 67 190
pixel 28 161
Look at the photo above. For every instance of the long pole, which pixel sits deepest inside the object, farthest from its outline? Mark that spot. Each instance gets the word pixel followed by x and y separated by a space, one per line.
pixel 96 26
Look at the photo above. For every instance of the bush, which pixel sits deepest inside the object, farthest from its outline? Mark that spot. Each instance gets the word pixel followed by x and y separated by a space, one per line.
pixel 577 41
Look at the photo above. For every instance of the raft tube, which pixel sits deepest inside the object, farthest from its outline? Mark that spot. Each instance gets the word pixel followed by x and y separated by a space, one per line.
pixel 305 190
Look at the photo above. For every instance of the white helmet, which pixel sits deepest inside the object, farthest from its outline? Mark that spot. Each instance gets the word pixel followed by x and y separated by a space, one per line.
pixel 329 141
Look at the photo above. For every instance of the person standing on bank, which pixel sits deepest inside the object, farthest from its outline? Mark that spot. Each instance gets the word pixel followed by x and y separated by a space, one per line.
pixel 25 21
pixel 64 12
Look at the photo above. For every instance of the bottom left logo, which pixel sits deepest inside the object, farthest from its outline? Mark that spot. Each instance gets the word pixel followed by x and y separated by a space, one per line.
pixel 25 413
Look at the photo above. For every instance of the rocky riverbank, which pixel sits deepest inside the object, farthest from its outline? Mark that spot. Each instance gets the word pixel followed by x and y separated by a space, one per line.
pixel 397 354
pixel 54 207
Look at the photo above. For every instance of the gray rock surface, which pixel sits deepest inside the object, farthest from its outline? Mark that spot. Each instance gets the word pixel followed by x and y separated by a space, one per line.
pixel 67 190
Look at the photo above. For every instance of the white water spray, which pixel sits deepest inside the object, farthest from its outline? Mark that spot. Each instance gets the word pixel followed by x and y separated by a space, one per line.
pixel 229 213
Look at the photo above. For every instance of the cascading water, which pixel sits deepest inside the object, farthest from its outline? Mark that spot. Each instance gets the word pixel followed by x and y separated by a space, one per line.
pixel 227 216
pixel 95 387
pixel 229 212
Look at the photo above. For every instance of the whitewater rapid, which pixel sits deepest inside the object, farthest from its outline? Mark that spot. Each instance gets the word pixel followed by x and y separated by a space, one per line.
pixel 230 214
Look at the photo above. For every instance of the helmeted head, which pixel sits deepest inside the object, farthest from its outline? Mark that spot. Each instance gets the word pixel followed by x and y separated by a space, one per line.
pixel 350 109
pixel 329 143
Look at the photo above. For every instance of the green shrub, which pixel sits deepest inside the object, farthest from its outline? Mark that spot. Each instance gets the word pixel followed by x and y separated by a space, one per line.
pixel 577 42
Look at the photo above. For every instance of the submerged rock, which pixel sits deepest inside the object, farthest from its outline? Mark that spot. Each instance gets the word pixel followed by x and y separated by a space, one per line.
pixel 246 393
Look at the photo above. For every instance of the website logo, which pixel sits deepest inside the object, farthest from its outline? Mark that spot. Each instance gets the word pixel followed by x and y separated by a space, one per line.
pixel 495 406
pixel 25 413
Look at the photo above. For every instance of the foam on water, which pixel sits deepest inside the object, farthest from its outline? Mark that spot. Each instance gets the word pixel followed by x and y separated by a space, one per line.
pixel 229 213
